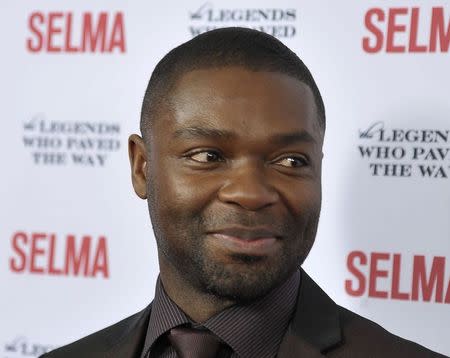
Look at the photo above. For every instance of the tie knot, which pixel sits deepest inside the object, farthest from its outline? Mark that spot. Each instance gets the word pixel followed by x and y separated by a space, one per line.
pixel 194 343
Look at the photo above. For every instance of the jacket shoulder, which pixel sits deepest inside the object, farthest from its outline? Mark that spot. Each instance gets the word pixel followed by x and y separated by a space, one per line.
pixel 365 338
pixel 333 331
pixel 100 343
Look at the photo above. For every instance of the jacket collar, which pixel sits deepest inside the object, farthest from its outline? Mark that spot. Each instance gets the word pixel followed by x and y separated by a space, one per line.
pixel 315 327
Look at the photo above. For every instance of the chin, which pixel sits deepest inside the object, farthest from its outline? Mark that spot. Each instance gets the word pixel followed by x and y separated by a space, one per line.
pixel 248 280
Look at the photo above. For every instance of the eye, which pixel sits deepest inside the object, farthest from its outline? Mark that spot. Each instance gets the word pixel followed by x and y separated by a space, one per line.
pixel 292 162
pixel 206 156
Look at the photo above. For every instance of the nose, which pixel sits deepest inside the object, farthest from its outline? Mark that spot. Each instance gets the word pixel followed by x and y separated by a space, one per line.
pixel 248 187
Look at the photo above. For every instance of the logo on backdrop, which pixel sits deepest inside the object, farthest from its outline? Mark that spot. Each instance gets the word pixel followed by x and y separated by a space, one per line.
pixel 22 347
pixel 406 29
pixel 62 143
pixel 399 277
pixel 48 254
pixel 68 32
pixel 278 22
pixel 405 152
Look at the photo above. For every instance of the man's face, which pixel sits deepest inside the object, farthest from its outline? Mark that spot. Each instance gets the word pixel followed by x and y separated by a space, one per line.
pixel 234 180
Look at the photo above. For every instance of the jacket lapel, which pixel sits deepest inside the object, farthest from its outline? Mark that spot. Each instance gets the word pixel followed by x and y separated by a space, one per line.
pixel 131 342
pixel 315 327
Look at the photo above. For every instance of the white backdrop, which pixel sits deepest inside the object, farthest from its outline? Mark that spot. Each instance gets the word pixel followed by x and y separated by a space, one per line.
pixel 77 251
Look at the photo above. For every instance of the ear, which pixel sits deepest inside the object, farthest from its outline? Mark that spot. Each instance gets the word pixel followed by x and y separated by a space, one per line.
pixel 138 162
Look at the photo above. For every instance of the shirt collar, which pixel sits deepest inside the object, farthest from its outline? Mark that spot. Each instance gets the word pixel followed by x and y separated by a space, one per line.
pixel 251 330
pixel 164 316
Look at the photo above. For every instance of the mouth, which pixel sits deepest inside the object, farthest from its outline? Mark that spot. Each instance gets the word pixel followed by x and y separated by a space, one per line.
pixel 248 241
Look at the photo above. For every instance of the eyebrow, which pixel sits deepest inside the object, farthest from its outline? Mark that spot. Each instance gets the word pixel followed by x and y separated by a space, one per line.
pixel 202 132
pixel 283 139
pixel 292 138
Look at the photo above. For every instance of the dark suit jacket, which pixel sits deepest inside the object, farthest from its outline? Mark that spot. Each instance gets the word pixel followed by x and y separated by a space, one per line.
pixel 320 328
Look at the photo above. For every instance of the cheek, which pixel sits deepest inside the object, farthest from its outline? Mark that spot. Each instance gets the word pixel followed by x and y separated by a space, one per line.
pixel 302 198
pixel 181 194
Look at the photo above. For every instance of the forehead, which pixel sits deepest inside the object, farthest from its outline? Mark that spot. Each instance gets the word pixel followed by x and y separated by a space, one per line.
pixel 238 99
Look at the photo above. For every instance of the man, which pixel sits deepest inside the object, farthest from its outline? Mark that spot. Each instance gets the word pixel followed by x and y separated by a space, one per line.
pixel 230 162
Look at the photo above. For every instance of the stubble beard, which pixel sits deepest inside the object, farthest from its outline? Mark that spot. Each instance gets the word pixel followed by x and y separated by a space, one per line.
pixel 182 244
pixel 255 276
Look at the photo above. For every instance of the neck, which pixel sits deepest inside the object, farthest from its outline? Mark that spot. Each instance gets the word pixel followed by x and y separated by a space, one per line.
pixel 198 306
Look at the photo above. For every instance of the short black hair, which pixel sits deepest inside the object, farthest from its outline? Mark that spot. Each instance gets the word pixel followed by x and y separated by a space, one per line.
pixel 225 47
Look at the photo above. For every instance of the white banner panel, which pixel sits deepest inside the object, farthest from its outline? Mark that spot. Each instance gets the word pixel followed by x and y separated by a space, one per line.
pixel 77 250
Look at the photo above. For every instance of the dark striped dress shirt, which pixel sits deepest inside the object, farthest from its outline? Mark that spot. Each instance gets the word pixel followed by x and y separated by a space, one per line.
pixel 249 331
